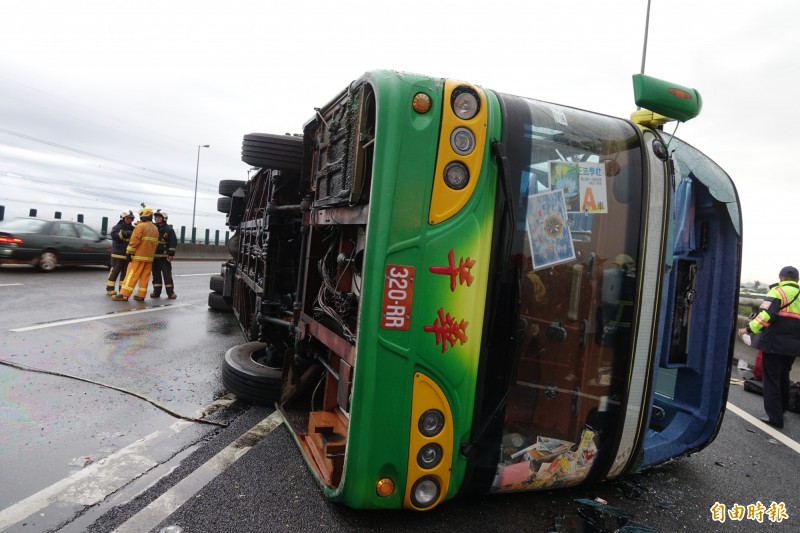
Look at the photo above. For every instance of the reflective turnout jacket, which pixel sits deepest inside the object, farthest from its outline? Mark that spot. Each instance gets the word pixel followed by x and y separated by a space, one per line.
pixel 778 320
pixel 144 240
pixel 167 241
pixel 120 235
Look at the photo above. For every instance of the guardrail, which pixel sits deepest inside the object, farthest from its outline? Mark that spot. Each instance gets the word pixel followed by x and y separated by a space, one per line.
pixel 181 235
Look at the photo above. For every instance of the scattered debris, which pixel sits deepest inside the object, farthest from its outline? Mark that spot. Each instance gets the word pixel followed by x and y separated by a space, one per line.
pixel 631 491
pixel 599 518
pixel 81 462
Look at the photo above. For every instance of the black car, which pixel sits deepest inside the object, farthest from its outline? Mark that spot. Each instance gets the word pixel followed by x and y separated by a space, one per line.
pixel 47 243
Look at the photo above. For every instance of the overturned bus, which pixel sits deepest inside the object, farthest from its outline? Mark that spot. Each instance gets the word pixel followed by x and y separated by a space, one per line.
pixel 446 289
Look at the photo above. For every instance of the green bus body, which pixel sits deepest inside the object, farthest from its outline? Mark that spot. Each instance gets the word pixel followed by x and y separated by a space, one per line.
pixel 529 327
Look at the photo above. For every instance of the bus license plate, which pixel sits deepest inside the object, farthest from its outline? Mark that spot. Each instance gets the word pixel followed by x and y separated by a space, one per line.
pixel 398 292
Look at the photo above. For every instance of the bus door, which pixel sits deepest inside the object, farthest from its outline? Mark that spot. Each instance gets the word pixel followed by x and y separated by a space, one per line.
pixel 699 289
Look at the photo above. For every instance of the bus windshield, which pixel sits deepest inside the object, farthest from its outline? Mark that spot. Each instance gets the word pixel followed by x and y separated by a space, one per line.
pixel 577 179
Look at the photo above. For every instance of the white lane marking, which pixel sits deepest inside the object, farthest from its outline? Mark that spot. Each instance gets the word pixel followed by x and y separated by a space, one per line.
pixel 777 435
pixel 169 502
pixel 10 284
pixel 97 481
pixel 115 314
pixel 188 275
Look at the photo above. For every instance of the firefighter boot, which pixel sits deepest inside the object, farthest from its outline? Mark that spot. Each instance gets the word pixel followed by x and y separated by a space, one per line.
pixel 155 294
pixel 119 298
pixel 172 296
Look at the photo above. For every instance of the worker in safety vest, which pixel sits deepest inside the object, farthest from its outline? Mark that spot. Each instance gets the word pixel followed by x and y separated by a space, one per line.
pixel 778 324
pixel 162 264
pixel 120 235
pixel 140 251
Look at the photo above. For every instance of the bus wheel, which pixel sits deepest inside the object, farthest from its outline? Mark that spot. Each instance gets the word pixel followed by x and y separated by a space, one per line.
pixel 228 187
pixel 245 374
pixel 224 204
pixel 218 303
pixel 278 152
pixel 216 283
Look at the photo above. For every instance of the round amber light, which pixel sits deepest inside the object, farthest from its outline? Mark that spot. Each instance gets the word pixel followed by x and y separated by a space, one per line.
pixel 384 487
pixel 421 103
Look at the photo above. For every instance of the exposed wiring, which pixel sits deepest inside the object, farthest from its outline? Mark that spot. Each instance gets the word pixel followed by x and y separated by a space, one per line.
pixel 137 395
pixel 328 288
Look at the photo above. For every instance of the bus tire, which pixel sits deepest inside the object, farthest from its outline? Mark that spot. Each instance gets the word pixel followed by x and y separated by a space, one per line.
pixel 277 152
pixel 216 283
pixel 245 375
pixel 224 204
pixel 218 303
pixel 228 187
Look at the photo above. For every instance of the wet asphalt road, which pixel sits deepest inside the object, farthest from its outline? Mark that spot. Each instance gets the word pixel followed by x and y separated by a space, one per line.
pixel 146 470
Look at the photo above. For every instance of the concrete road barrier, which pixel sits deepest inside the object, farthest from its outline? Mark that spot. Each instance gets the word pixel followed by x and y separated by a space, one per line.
pixel 201 252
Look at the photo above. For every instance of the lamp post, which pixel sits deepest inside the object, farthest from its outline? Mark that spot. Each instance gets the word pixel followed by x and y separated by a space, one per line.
pixel 196 174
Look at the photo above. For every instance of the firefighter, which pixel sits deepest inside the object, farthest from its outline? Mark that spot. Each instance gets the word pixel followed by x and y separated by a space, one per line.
pixel 162 263
pixel 120 235
pixel 140 251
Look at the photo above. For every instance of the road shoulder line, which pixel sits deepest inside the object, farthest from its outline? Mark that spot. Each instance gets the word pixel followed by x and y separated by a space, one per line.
pixel 166 504
pixel 773 432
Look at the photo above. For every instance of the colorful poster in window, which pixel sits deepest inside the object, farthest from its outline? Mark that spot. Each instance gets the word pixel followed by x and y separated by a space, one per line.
pixel 593 188
pixel 548 229
pixel 565 176
pixel 584 185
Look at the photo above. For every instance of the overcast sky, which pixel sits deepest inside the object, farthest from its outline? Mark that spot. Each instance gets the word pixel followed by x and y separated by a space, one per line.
pixel 103 103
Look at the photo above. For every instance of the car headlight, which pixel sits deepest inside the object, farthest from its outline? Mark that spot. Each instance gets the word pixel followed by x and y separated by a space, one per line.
pixel 462 141
pixel 465 102
pixel 425 492
pixel 429 455
pixel 456 175
pixel 431 422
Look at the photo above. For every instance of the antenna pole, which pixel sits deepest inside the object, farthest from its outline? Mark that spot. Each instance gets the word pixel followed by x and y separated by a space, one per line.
pixel 646 27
